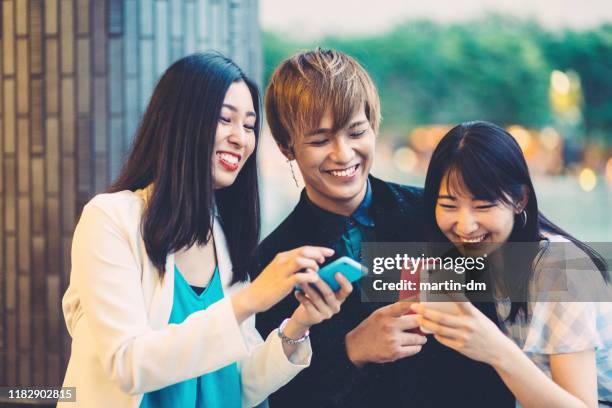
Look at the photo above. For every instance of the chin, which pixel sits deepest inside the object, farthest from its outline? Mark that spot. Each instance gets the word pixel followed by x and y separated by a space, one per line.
pixel 343 194
pixel 219 184
pixel 349 189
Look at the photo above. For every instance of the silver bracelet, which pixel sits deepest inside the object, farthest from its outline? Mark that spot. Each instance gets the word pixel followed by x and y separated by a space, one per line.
pixel 289 340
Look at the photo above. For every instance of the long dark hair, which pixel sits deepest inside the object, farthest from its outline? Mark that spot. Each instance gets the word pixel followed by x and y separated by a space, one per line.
pixel 173 149
pixel 490 164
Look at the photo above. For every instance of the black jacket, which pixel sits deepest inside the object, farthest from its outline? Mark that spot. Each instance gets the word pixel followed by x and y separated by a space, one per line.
pixel 436 377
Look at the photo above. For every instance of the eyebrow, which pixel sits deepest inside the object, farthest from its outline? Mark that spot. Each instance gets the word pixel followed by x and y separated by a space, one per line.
pixel 449 197
pixel 317 132
pixel 355 124
pixel 327 130
pixel 234 109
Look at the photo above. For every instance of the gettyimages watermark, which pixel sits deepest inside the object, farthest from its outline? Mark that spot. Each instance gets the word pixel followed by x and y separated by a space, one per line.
pixel 517 271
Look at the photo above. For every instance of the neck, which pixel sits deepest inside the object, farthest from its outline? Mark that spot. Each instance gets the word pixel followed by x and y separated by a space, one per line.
pixel 344 207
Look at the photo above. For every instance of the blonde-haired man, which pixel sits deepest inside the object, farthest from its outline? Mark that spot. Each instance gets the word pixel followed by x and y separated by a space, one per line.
pixel 324 113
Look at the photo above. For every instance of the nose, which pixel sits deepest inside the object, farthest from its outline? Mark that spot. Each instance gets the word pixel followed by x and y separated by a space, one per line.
pixel 342 151
pixel 238 135
pixel 466 223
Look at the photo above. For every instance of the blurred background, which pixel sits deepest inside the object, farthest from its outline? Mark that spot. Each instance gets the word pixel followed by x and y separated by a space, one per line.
pixel 541 69
pixel 76 76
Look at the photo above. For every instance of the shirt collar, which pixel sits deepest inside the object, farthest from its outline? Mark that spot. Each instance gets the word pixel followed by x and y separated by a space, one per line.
pixel 361 214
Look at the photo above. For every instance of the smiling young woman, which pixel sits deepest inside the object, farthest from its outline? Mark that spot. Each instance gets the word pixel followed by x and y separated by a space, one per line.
pixel 479 196
pixel 160 305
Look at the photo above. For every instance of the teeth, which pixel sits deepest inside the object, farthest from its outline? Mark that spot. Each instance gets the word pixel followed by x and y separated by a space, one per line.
pixel 473 240
pixel 344 173
pixel 230 158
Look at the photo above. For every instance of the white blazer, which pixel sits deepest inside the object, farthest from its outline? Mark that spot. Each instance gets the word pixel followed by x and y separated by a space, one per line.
pixel 117 309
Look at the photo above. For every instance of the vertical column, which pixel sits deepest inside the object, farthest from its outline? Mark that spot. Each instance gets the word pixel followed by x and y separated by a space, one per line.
pixel 22 74
pixel 131 71
pixel 51 77
pixel 9 119
pixel 115 87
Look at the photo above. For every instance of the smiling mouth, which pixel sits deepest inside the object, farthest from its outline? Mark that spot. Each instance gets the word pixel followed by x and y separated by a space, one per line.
pixel 348 172
pixel 229 160
pixel 474 240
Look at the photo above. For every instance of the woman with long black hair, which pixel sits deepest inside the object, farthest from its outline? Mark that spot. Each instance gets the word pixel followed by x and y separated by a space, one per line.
pixel 479 196
pixel 160 307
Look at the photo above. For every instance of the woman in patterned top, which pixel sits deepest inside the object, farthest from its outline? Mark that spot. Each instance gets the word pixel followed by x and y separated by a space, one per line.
pixel 550 352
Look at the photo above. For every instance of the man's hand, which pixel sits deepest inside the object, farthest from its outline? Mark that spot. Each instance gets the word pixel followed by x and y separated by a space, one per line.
pixel 384 336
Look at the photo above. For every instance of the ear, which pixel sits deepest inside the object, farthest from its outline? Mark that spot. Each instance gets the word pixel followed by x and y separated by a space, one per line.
pixel 286 151
pixel 522 203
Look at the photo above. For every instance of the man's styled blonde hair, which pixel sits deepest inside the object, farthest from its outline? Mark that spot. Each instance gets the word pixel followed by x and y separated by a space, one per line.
pixel 305 85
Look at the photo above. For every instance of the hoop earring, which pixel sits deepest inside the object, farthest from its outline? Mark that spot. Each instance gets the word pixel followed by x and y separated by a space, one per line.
pixel 524 214
pixel 293 174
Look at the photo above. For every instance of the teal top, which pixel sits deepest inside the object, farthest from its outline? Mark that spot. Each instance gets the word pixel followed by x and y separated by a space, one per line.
pixel 350 243
pixel 219 389
pixel 359 227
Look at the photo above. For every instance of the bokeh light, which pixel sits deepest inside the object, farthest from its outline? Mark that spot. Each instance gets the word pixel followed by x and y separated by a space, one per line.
pixel 587 179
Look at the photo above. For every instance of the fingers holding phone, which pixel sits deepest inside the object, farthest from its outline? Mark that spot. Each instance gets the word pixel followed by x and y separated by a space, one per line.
pixel 466 330
pixel 385 336
pixel 279 278
pixel 318 302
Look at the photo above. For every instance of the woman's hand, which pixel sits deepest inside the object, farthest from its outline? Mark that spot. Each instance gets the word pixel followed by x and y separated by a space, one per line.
pixel 470 332
pixel 315 306
pixel 318 306
pixel 278 279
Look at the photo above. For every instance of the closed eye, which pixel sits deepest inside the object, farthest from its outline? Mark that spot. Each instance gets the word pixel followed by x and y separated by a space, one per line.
pixel 450 206
pixel 485 207
pixel 359 133
pixel 317 142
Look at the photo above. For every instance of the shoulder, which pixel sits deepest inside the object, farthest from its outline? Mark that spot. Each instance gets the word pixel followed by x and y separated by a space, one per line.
pixel 116 202
pixel 404 195
pixel 122 210
pixel 396 188
pixel 556 250
pixel 550 237
pixel 412 192
pixel 410 196
pixel 564 271
pixel 403 201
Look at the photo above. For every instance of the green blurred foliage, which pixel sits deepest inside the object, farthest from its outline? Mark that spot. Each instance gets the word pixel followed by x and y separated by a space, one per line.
pixel 589 54
pixel 495 68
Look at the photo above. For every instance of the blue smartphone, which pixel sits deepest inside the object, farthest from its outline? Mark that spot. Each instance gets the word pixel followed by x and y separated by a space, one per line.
pixel 351 270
